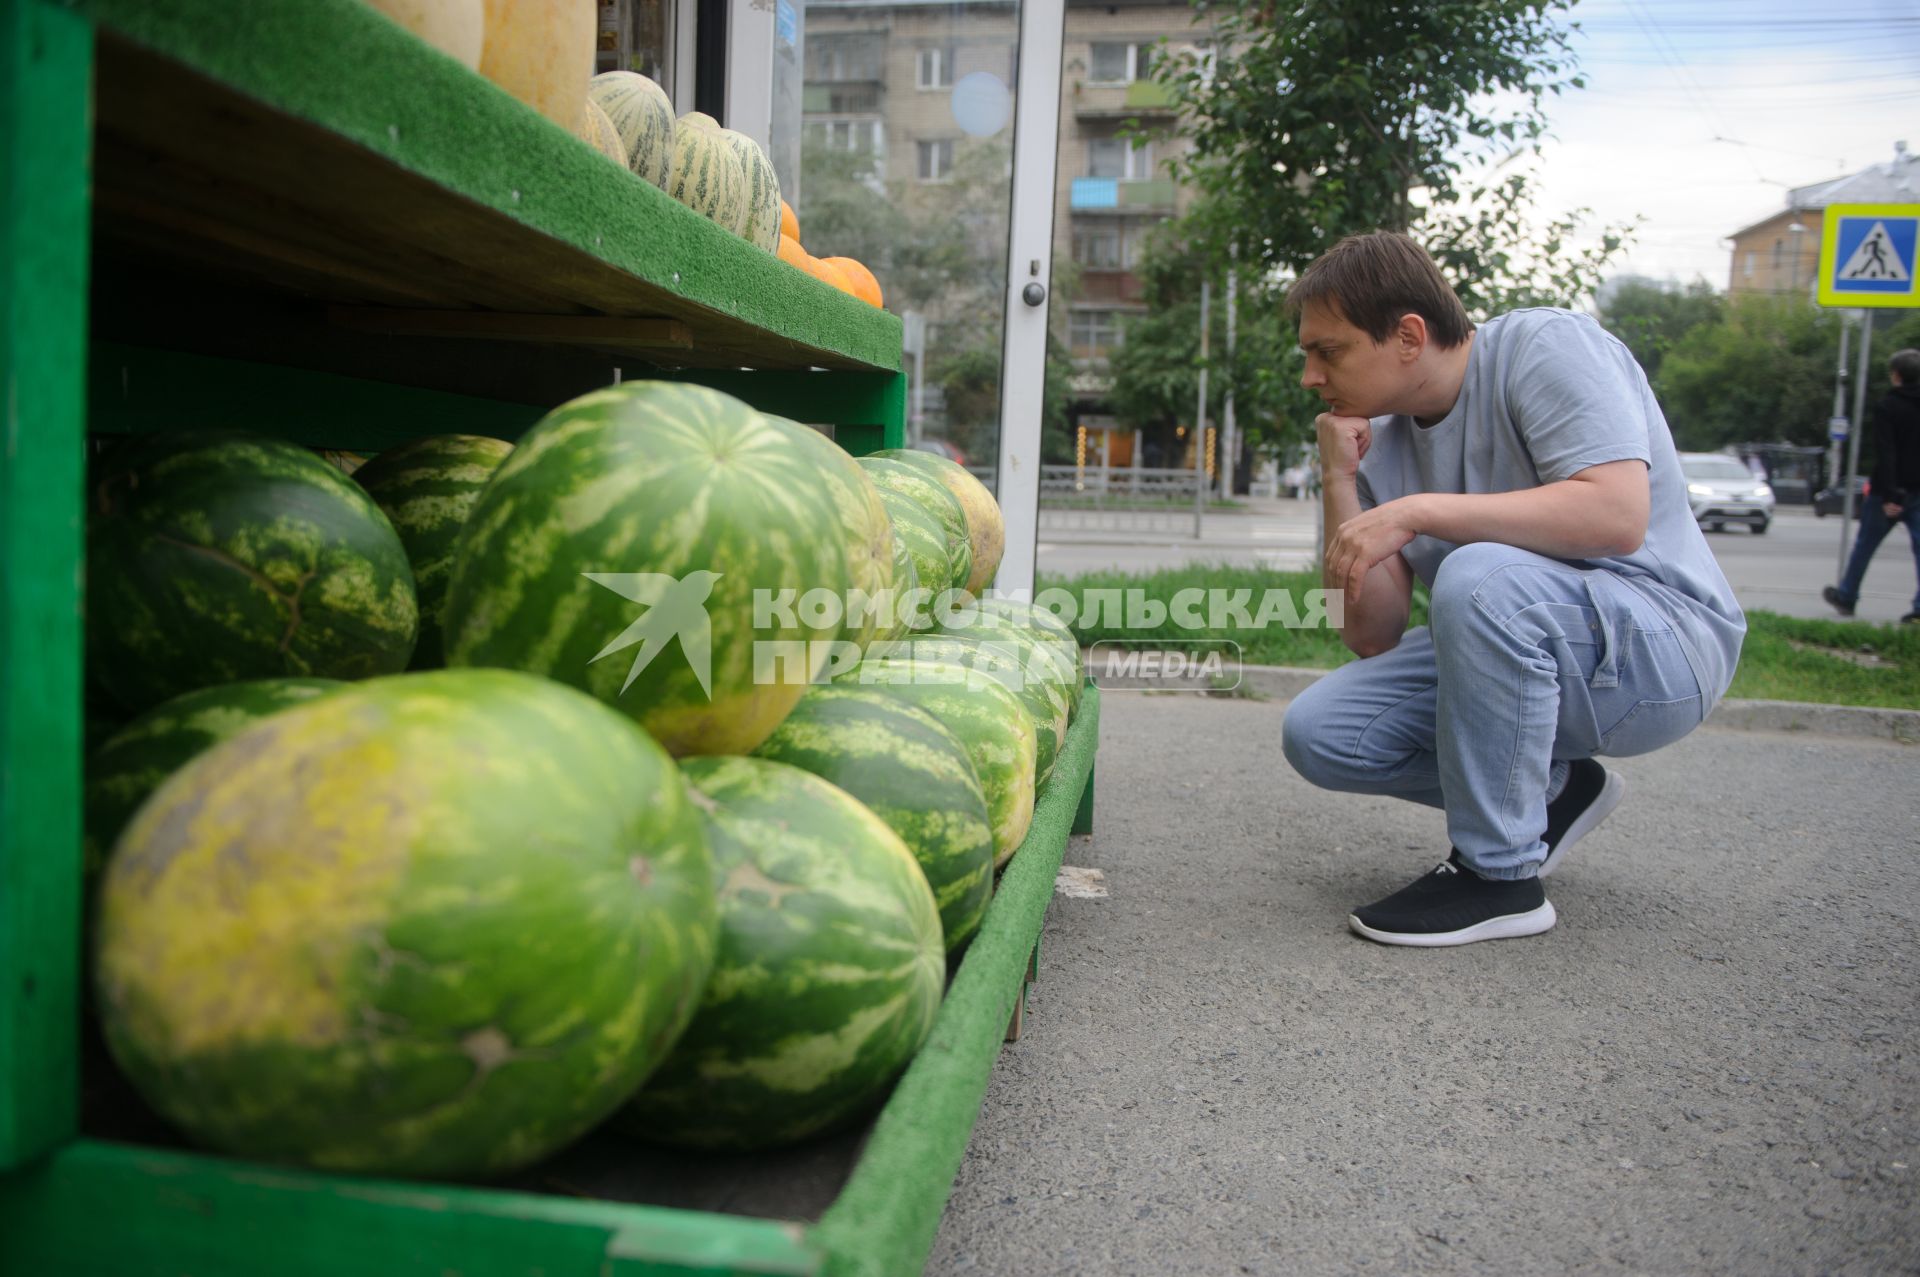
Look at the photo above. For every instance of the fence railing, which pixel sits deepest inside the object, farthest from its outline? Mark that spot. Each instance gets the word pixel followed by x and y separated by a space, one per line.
pixel 1072 486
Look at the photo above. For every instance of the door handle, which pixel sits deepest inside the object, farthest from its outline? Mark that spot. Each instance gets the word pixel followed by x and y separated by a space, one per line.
pixel 1033 294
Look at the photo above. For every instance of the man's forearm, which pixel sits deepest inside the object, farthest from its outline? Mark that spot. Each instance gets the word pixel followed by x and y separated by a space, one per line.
pixel 1374 622
pixel 1572 519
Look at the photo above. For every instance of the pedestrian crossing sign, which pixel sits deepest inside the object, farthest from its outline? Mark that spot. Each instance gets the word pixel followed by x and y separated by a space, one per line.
pixel 1867 255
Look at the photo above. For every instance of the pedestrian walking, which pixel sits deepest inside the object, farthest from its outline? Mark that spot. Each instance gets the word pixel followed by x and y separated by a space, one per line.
pixel 1893 491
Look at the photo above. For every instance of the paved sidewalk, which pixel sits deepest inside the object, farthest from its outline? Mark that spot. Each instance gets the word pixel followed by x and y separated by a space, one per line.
pixel 1710 1066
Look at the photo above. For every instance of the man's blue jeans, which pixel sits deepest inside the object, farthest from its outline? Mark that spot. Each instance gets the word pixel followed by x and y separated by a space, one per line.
pixel 1874 526
pixel 1526 661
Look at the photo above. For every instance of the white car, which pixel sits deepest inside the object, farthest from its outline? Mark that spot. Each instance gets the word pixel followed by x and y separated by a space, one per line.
pixel 1722 490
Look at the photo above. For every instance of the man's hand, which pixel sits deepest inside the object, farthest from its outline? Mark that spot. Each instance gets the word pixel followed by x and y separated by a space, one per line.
pixel 1343 441
pixel 1891 510
pixel 1371 537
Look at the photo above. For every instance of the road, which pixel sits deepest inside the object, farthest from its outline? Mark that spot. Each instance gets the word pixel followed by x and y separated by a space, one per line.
pixel 1781 571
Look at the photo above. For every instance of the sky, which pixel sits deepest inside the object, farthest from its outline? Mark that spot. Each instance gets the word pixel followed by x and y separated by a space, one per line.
pixel 1700 115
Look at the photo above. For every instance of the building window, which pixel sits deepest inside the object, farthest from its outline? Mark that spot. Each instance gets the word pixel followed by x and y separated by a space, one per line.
pixel 935 69
pixel 1119 158
pixel 1093 334
pixel 1098 248
pixel 936 160
pixel 1118 63
pixel 1749 268
pixel 863 136
pixel 840 59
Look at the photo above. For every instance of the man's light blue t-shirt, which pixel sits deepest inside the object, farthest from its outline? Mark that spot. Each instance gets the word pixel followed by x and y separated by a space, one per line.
pixel 1548 393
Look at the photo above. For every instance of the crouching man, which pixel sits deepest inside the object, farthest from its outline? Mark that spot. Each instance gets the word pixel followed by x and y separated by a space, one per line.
pixel 1523 472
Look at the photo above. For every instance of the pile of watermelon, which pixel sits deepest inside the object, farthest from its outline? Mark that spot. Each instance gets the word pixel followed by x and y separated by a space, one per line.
pixel 646 772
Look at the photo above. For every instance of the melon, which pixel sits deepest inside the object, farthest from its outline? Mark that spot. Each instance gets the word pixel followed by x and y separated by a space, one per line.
pixel 597 131
pixel 455 27
pixel 986 530
pixel 707 176
pixel 643 115
pixel 866 531
pixel 541 51
pixel 762 220
pixel 933 496
pixel 439 924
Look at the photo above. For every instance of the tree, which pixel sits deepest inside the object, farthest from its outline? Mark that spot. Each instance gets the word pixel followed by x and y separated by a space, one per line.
pixel 1326 117
pixel 1651 317
pixel 1763 372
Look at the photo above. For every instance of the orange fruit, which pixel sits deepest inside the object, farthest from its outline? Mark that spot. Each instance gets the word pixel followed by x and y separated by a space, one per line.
pixel 826 270
pixel 865 286
pixel 789 224
pixel 792 254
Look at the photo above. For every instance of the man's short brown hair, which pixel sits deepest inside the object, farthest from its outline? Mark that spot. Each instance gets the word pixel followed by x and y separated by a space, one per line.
pixel 1906 365
pixel 1373 279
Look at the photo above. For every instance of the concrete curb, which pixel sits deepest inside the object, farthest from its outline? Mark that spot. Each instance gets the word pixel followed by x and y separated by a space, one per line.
pixel 1283 682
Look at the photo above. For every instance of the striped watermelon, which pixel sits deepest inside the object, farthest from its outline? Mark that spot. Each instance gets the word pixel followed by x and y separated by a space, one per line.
pixel 707 176
pixel 912 773
pixel 635 524
pixel 439 924
pixel 830 966
pixel 427 488
pixel 933 497
pixel 217 557
pixel 986 530
pixel 642 115
pixel 597 131
pixel 762 225
pixel 1059 636
pixel 990 722
pixel 1014 660
pixel 133 762
pixel 866 531
pixel 917 535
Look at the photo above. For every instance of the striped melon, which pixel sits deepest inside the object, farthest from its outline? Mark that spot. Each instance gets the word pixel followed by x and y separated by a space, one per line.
pixel 643 115
pixel 597 131
pixel 828 974
pixel 934 497
pixel 762 225
pixel 917 536
pixel 1057 635
pixel 990 722
pixel 621 548
pixel 1013 659
pixel 868 533
pixel 427 488
pixel 986 530
pixel 912 773
pixel 439 924
pixel 700 120
pixel 707 176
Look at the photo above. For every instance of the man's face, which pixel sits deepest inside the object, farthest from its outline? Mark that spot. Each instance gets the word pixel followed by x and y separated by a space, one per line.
pixel 1355 375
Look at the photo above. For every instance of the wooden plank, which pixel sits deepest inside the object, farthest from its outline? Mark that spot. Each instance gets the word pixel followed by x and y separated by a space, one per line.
pixel 45 61
pixel 175 1213
pixel 603 332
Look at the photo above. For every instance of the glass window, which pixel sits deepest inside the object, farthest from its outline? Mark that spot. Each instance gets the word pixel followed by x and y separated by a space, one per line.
pixel 1118 63
pixel 1118 158
pixel 936 159
pixel 1097 247
pixel 1715 468
pixel 1093 334
pixel 936 69
pixel 637 35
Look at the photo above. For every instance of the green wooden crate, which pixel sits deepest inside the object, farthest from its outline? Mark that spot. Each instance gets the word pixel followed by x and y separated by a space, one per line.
pixel 72 1204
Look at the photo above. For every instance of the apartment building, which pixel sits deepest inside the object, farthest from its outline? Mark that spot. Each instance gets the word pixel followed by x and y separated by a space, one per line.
pixel 1780 254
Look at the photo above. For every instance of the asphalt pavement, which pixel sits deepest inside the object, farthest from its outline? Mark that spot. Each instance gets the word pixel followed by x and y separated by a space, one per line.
pixel 1711 1065
pixel 1781 571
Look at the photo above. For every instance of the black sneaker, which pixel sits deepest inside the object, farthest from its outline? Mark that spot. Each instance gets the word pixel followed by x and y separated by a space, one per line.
pixel 1591 794
pixel 1836 600
pixel 1454 905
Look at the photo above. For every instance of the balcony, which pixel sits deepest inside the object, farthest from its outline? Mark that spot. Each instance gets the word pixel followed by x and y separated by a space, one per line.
pixel 1118 195
pixel 1142 99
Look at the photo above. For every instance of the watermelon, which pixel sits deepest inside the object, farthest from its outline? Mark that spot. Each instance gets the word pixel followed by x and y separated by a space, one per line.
pixel 213 558
pixel 866 531
pixel 912 773
pixel 829 973
pixel 1012 659
pixel 989 721
pixel 707 176
pixel 762 224
pixel 917 535
pixel 427 488
pixel 1058 636
pixel 620 549
pixel 932 496
pixel 642 114
pixel 986 530
pixel 133 762
pixel 439 924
